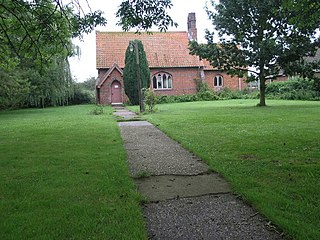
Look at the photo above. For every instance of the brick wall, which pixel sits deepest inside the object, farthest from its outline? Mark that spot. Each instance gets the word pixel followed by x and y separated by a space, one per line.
pixel 182 82
pixel 233 83
pixel 105 89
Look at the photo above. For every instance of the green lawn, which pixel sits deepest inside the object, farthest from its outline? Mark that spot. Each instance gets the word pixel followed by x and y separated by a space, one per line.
pixel 63 175
pixel 270 155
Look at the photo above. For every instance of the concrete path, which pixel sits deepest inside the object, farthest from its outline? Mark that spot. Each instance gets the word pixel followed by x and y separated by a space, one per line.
pixel 186 200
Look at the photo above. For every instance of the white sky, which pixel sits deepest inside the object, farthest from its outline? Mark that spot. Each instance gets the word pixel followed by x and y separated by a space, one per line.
pixel 85 67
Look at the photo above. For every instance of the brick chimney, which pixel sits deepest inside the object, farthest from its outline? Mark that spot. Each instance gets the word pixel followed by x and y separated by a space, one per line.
pixel 192 26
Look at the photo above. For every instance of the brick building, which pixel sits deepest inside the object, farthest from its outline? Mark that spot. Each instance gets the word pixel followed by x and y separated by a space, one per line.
pixel 173 70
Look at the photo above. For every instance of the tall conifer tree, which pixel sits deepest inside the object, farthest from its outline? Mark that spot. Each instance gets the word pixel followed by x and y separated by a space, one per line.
pixel 130 71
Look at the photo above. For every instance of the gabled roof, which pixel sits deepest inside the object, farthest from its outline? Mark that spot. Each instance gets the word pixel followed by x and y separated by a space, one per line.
pixel 163 49
pixel 100 81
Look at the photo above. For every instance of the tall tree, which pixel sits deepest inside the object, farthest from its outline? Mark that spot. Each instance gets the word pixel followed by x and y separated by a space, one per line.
pixel 35 43
pixel 134 72
pixel 53 86
pixel 264 35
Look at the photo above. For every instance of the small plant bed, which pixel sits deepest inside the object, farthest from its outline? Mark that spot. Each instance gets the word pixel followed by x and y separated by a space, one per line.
pixel 269 155
pixel 64 175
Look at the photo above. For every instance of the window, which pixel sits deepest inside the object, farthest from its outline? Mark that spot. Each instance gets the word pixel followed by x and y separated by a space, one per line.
pixel 162 81
pixel 254 84
pixel 218 81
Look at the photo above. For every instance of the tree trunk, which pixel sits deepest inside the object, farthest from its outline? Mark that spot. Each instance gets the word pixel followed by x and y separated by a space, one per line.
pixel 262 92
pixel 262 79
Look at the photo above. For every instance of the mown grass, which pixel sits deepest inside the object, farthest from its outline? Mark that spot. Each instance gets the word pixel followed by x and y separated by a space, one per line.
pixel 64 176
pixel 270 155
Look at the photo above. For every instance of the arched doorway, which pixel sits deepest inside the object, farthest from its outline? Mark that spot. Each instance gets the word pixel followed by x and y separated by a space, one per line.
pixel 116 89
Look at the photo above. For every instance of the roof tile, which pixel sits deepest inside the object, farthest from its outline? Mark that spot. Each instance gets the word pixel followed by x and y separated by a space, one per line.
pixel 163 49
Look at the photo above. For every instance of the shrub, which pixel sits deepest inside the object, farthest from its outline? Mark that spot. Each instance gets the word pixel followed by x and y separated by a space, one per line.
pixel 207 96
pixel 83 96
pixel 227 93
pixel 250 94
pixel 186 98
pixel 150 99
pixel 163 99
pixel 98 110
pixel 201 86
pixel 296 88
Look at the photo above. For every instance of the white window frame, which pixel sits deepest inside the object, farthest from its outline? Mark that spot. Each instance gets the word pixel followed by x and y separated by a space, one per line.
pixel 162 81
pixel 219 80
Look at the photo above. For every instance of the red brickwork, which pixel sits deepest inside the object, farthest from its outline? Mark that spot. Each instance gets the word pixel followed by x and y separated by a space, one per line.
pixel 104 96
pixel 182 80
pixel 233 83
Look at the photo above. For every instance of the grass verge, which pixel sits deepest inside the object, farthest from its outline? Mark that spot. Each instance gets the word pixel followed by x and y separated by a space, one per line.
pixel 270 155
pixel 64 176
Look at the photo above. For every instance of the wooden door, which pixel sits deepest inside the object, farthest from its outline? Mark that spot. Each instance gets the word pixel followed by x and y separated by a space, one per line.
pixel 116 96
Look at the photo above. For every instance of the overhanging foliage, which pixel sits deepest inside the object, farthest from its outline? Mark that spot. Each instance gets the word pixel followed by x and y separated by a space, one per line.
pixel 143 14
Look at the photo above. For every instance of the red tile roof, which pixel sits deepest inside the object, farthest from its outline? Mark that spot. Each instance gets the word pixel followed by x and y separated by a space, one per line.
pixel 163 49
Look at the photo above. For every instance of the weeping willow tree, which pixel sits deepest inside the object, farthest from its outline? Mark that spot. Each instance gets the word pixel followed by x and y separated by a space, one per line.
pixel 51 87
pixel 35 43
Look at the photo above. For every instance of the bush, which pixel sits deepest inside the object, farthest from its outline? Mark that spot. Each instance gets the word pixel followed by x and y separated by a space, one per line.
pixel 98 110
pixel 186 98
pixel 296 88
pixel 250 95
pixel 162 99
pixel 207 96
pixel 150 99
pixel 201 86
pixel 83 96
pixel 177 99
pixel 227 93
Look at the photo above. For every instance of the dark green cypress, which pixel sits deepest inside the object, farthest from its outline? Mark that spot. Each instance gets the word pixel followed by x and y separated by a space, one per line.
pixel 130 72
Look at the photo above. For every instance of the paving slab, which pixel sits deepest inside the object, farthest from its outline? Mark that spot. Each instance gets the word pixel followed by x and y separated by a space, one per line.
pixel 159 188
pixel 150 151
pixel 124 113
pixel 207 217
pixel 134 124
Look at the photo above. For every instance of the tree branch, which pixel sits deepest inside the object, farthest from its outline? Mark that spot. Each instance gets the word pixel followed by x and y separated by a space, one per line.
pixel 26 30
